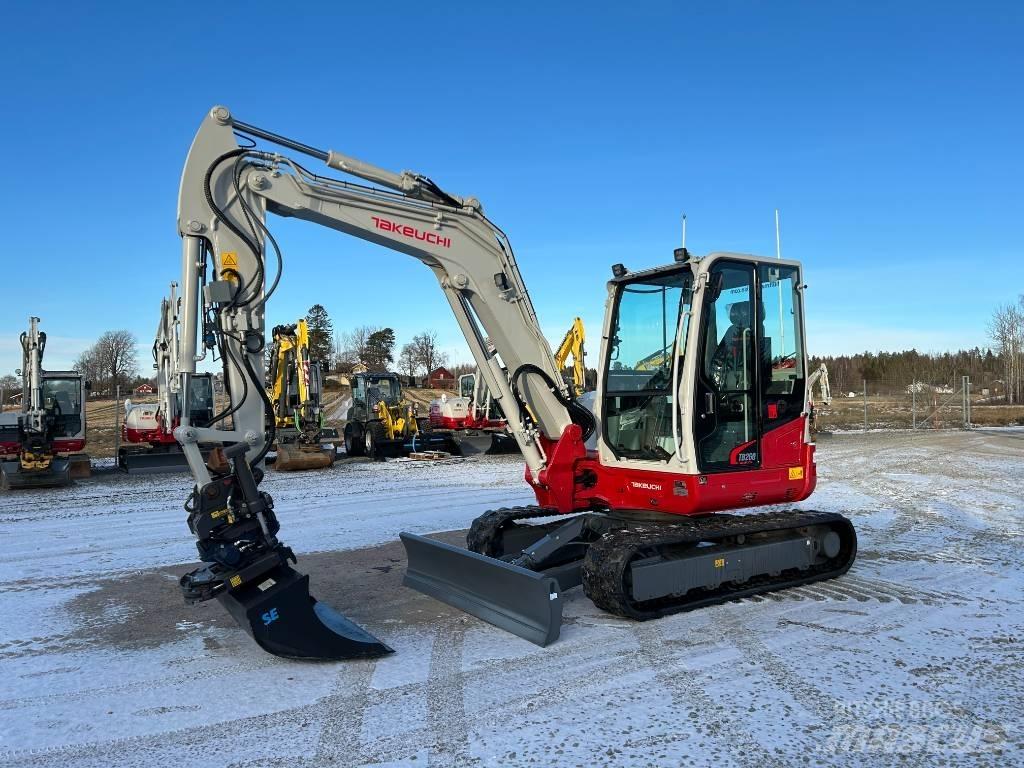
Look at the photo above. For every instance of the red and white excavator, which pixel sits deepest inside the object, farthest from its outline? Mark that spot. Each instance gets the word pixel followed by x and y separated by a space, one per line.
pixel 147 430
pixel 701 409
pixel 41 445
pixel 473 412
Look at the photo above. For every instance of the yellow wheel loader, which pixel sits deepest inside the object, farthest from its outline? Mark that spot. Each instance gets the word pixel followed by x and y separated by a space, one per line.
pixel 382 424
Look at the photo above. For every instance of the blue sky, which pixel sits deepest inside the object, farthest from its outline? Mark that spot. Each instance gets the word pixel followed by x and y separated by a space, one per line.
pixel 889 135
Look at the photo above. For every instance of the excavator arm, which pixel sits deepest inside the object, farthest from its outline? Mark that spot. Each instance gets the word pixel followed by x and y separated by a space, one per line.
pixel 226 191
pixel 572 346
pixel 231 266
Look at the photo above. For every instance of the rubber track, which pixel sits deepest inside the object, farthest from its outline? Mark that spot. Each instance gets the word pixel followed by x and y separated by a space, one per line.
pixel 485 533
pixel 606 564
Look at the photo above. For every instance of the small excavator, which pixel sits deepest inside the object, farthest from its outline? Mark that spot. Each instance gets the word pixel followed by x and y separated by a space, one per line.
pixel 474 413
pixel 40 447
pixel 296 383
pixel 715 420
pixel 148 428
pixel 572 346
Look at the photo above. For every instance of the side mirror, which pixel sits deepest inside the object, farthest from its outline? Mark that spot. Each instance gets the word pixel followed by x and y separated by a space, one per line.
pixel 88 386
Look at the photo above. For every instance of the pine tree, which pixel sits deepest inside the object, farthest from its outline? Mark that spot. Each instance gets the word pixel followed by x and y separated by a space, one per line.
pixel 321 334
pixel 379 351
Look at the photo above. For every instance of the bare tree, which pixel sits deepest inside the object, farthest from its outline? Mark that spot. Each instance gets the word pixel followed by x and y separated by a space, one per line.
pixel 115 356
pixel 1007 330
pixel 354 343
pixel 88 365
pixel 426 351
pixel 407 361
pixel 9 385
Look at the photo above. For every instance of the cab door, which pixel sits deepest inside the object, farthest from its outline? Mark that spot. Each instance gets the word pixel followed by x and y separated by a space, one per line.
pixel 751 381
pixel 727 429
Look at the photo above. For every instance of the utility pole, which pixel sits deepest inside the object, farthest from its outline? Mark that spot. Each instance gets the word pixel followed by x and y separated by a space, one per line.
pixel 117 432
pixel 865 405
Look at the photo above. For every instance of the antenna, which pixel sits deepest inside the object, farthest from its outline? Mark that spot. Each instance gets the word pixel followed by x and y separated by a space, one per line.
pixel 778 255
pixel 778 242
pixel 684 230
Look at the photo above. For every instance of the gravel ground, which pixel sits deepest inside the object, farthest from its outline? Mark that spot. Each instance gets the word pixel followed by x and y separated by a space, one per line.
pixel 913 658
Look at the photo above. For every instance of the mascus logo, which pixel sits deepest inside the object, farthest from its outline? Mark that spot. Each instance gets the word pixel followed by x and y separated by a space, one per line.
pixel 411 232
pixel 645 486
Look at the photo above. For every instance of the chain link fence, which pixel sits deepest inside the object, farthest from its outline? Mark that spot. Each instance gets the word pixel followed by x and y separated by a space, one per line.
pixel 889 404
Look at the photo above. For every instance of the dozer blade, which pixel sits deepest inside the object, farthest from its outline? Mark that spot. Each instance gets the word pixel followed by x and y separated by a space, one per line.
pixel 153 463
pixel 12 477
pixel 520 601
pixel 292 458
pixel 502 444
pixel 434 441
pixel 285 620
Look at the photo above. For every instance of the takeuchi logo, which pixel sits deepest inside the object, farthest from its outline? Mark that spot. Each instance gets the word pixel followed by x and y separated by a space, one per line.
pixel 411 232
pixel 645 486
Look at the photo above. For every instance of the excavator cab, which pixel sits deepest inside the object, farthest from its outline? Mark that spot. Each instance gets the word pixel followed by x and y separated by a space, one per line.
pixel 718 397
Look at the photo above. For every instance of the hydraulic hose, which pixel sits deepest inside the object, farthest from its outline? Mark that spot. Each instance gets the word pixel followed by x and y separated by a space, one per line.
pixel 578 414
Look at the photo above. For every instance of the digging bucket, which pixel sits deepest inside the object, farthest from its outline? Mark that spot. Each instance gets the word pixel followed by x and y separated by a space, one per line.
pixel 285 620
pixel 13 478
pixel 520 601
pixel 293 458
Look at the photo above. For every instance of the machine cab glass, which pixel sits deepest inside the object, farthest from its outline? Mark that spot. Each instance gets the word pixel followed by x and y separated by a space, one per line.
pixel 62 397
pixel 648 335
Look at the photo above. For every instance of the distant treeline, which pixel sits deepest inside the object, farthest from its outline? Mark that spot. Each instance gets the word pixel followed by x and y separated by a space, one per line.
pixel 892 371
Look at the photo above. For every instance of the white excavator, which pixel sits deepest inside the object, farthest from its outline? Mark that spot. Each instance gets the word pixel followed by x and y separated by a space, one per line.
pixel 40 446
pixel 148 428
pixel 473 414
pixel 718 424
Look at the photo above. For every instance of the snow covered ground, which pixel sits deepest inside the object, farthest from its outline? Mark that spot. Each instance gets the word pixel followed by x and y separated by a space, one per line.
pixel 915 657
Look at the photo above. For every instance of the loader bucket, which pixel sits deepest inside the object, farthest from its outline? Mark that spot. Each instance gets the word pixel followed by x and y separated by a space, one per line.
pixel 293 458
pixel 285 620
pixel 520 601
pixel 12 477
pixel 81 466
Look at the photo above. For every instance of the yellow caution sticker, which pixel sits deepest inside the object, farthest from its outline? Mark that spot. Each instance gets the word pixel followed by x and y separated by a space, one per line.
pixel 235 580
pixel 720 562
pixel 796 473
pixel 219 513
pixel 229 260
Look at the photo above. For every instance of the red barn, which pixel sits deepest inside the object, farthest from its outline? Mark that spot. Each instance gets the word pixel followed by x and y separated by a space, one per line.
pixel 145 389
pixel 441 378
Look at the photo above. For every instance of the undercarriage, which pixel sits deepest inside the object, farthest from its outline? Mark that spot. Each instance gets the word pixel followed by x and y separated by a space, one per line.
pixel 636 565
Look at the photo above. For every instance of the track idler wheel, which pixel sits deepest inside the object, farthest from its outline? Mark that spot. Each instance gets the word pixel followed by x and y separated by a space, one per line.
pixel 285 620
